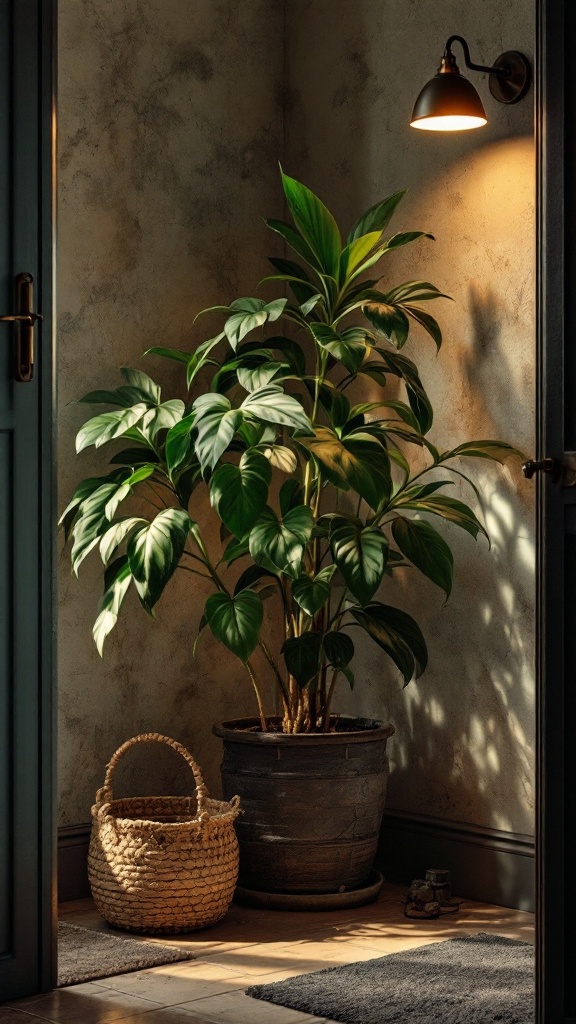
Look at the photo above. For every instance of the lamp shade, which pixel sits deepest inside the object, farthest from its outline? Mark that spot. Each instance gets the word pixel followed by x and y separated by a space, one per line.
pixel 448 103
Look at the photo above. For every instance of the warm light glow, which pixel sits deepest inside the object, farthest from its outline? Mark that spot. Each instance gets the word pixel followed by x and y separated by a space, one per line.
pixel 449 123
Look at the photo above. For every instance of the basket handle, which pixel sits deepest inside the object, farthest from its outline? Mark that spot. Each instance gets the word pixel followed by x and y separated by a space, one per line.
pixel 105 794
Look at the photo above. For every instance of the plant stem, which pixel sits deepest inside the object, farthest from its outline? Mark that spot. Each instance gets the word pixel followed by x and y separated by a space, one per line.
pixel 159 496
pixel 263 647
pixel 217 580
pixel 187 568
pixel 153 503
pixel 250 671
pixel 335 675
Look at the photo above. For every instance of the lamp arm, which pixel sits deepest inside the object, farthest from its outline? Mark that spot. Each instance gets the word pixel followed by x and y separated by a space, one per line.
pixel 502 72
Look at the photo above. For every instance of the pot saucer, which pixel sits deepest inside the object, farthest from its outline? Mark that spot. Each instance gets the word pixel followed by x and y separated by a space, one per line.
pixel 366 893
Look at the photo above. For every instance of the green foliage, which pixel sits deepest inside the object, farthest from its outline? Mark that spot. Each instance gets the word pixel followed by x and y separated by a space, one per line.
pixel 236 621
pixel 319 500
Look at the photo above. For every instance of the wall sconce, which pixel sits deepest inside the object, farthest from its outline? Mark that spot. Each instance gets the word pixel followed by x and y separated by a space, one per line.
pixel 450 103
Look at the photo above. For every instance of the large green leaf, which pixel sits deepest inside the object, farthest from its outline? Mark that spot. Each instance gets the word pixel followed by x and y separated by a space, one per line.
pixel 291 350
pixel 360 555
pixel 87 532
pixel 271 405
pixel 300 284
pixel 430 325
pixel 92 521
pixel 359 462
pixel 85 490
pixel 125 489
pixel 201 357
pixel 415 291
pixel 310 593
pixel 377 217
pixel 281 457
pixel 134 456
pixel 239 493
pixel 339 649
pixel 187 481
pixel 215 424
pixel 163 417
pixel 348 346
pixel 253 378
pixel 389 320
pixel 118 580
pixel 398 634
pixel 144 383
pixel 227 375
pixel 497 451
pixel 426 549
pixel 402 238
pixel 235 549
pixel 124 396
pixel 282 542
pixel 291 495
pixel 247 314
pixel 155 551
pixel 302 656
pixel 179 442
pixel 315 223
pixel 405 237
pixel 310 304
pixel 176 354
pixel 356 251
pixel 116 534
pixel 252 577
pixel 236 621
pixel 403 367
pixel 295 240
pixel 100 429
pixel 451 509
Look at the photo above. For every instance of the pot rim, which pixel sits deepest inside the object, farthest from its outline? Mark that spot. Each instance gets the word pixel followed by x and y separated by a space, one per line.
pixel 232 731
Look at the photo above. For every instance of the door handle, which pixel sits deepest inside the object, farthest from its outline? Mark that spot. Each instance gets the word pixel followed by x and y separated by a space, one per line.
pixel 532 466
pixel 24 320
pixel 562 471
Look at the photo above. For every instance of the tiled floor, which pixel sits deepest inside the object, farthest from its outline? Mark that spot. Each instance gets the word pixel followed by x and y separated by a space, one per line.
pixel 249 946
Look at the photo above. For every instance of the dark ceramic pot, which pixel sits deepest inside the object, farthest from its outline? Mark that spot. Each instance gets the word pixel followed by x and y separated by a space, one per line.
pixel 312 803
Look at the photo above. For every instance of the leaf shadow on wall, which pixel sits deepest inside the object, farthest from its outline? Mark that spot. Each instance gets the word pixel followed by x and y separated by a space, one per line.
pixel 463 748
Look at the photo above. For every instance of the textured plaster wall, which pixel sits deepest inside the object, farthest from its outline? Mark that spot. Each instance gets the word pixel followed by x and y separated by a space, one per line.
pixel 170 132
pixel 463 747
pixel 172 117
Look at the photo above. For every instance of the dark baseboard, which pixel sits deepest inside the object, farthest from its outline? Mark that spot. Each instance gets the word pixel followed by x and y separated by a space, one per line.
pixel 485 864
pixel 72 854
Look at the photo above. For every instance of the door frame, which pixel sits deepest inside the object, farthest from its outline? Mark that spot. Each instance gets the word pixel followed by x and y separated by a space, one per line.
pixel 555 159
pixel 44 49
pixel 556 508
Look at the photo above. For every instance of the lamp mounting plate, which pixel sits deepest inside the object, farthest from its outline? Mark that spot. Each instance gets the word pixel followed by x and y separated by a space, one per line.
pixel 512 87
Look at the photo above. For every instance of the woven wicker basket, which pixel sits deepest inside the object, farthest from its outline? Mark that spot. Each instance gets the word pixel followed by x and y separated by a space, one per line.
pixel 162 864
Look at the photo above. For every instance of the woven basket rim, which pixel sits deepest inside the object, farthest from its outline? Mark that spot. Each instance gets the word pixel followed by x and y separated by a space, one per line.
pixel 215 810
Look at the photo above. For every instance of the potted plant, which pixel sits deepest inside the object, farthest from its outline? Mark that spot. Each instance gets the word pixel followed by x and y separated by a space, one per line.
pixel 321 497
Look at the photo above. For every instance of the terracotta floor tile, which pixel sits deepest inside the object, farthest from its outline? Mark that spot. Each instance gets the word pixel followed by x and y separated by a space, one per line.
pixel 88 1002
pixel 237 1008
pixel 177 983
pixel 10 1015
pixel 250 945
pixel 170 1015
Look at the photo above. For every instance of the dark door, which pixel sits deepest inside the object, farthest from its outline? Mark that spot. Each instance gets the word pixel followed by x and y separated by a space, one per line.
pixel 26 531
pixel 556 493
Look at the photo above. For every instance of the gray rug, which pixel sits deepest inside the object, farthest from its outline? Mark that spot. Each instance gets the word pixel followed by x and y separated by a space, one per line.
pixel 477 979
pixel 84 954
